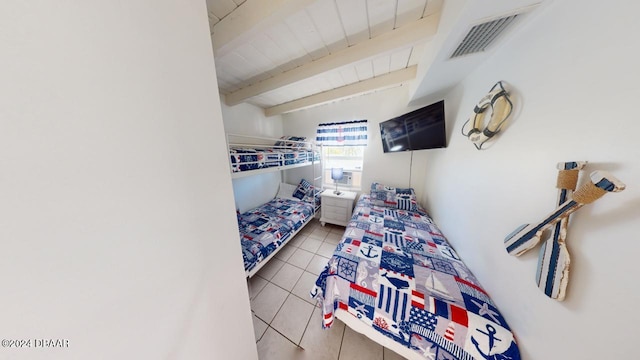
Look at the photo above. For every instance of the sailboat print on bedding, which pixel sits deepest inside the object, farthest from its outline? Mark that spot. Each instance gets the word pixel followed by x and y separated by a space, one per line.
pixel 395 271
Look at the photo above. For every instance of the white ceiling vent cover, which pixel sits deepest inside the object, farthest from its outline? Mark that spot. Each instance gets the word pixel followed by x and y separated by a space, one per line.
pixel 482 35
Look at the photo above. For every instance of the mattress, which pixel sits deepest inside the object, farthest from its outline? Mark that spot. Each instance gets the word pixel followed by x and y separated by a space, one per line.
pixel 267 227
pixel 247 159
pixel 395 271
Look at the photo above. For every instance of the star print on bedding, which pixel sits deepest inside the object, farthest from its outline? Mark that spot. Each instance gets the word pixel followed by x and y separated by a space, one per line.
pixel 396 272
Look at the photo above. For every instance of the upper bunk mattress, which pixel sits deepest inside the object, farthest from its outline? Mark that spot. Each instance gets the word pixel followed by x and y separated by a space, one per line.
pixel 267 227
pixel 246 159
pixel 395 271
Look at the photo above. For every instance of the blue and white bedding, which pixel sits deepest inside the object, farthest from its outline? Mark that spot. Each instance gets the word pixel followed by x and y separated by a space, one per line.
pixel 267 227
pixel 396 272
pixel 246 159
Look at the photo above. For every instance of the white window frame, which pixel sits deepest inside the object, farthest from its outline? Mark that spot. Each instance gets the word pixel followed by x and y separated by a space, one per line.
pixel 352 164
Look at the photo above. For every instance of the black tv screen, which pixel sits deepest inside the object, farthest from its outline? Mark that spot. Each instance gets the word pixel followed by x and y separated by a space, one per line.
pixel 418 130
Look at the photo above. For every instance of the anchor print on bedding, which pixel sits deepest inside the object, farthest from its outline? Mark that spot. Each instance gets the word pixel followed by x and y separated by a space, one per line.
pixel 489 341
pixel 408 284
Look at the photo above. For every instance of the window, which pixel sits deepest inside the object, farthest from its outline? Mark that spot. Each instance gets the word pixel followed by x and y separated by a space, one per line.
pixel 350 159
pixel 343 145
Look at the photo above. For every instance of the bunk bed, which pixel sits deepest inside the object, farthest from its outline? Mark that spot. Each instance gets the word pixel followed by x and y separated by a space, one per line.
pixel 395 278
pixel 251 155
pixel 265 229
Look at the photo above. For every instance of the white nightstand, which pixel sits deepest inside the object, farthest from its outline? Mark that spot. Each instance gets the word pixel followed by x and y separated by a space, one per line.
pixel 336 209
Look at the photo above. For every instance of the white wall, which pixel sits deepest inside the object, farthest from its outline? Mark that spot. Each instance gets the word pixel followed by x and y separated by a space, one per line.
pixel 114 214
pixel 390 169
pixel 247 119
pixel 255 190
pixel 573 74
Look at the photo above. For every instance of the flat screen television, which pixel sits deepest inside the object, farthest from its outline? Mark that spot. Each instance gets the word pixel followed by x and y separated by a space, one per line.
pixel 418 130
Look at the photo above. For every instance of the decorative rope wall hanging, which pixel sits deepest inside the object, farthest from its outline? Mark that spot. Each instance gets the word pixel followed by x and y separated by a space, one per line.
pixel 501 107
pixel 553 263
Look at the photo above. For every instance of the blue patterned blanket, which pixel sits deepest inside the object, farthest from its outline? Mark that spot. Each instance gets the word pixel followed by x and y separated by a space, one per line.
pixel 267 227
pixel 245 159
pixel 395 271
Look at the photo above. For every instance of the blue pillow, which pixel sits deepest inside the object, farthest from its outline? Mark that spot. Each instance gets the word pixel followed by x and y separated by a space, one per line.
pixel 302 189
pixel 402 199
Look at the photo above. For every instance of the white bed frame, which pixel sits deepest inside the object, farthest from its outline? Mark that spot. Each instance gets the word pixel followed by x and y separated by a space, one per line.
pixel 257 142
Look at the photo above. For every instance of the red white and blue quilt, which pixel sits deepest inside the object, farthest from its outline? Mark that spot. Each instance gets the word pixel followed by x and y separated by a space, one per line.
pixel 269 226
pixel 395 271
pixel 246 159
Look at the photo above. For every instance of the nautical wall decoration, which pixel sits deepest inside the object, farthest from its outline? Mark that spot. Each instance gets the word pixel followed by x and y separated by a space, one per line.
pixel 552 275
pixel 553 264
pixel 501 107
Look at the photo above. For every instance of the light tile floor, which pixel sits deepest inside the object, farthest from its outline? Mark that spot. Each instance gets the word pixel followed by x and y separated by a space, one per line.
pixel 287 323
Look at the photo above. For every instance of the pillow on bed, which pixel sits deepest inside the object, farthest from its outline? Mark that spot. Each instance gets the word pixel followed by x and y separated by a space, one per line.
pixel 402 199
pixel 312 196
pixel 286 191
pixel 287 141
pixel 302 189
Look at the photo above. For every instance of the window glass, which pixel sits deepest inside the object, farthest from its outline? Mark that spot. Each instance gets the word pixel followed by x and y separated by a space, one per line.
pixel 350 159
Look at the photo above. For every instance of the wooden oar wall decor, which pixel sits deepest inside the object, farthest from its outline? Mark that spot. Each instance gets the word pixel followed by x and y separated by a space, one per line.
pixel 552 275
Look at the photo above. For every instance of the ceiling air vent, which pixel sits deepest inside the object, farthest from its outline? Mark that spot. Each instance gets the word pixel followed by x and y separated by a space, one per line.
pixel 482 35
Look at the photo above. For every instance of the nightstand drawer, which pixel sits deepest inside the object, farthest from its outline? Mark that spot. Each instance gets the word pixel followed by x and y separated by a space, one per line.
pixel 335 216
pixel 340 212
pixel 343 203
pixel 336 208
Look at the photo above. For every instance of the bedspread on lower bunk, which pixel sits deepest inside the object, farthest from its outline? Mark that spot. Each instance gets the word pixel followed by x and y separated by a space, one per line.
pixel 396 272
pixel 265 228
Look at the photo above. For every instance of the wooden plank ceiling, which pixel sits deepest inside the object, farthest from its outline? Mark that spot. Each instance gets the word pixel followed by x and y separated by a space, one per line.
pixel 283 55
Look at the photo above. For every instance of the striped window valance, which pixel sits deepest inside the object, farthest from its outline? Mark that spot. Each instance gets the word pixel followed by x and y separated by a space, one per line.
pixel 348 133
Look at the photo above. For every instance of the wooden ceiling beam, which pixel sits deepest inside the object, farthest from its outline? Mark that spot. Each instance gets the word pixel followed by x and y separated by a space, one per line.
pixel 409 34
pixel 386 80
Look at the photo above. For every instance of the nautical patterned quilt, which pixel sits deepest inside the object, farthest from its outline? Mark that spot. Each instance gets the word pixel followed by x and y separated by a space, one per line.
pixel 244 159
pixel 267 227
pixel 395 271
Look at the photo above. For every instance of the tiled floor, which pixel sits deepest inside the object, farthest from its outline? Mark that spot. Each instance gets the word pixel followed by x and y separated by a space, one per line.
pixel 286 322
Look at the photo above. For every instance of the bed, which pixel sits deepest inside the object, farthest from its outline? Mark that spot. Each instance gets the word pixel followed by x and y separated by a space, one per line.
pixel 395 278
pixel 249 155
pixel 265 229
